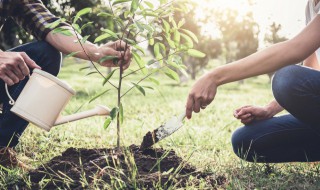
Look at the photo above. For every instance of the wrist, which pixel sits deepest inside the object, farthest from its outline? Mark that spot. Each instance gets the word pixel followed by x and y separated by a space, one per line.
pixel 216 76
pixel 93 52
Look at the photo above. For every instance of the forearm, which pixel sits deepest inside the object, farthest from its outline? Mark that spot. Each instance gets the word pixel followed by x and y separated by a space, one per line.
pixel 273 58
pixel 312 62
pixel 274 108
pixel 69 44
pixel 265 61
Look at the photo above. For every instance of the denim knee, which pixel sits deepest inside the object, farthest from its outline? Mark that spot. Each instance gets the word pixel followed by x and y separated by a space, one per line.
pixel 51 58
pixel 286 85
pixel 241 144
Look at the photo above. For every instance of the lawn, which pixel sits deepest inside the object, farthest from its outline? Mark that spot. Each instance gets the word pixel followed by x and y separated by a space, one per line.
pixel 205 138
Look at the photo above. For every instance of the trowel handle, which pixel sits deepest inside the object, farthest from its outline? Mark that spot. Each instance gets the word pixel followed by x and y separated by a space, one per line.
pixel 182 116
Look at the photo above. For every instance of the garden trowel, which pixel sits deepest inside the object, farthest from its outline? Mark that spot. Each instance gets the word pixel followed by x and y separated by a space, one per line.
pixel 163 131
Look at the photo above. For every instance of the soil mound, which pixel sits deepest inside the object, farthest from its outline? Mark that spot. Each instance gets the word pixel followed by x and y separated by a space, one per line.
pixel 128 168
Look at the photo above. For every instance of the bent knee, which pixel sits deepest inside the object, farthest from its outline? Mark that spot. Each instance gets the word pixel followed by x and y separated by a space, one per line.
pixel 242 143
pixel 51 58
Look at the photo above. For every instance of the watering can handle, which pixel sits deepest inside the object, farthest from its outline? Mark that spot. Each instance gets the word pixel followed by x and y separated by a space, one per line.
pixel 11 101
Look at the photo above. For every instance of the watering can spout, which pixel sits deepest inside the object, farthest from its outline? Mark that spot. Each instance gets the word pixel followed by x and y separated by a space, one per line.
pixel 98 110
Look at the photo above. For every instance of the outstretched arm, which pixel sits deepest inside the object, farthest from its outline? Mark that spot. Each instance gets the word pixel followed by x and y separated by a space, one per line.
pixel 268 60
pixel 66 44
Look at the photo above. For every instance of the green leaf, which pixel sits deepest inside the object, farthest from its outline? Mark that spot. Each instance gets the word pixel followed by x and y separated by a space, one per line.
pixel 196 53
pixel 72 54
pixel 148 87
pixel 121 113
pixel 84 68
pixel 140 62
pixel 156 49
pixel 86 25
pixel 191 34
pixel 181 23
pixel 154 81
pixel 151 41
pixel 108 77
pixel 81 13
pixel 76 27
pixel 119 1
pixel 189 42
pixel 134 6
pixel 139 49
pixel 110 32
pixel 56 23
pixel 84 39
pixel 107 122
pixel 114 112
pixel 166 26
pixel 176 36
pixel 140 26
pixel 102 37
pixel 98 95
pixel 140 88
pixel 162 48
pixel 104 14
pixel 91 73
pixel 149 4
pixel 107 58
pixel 172 74
pixel 63 31
pixel 170 42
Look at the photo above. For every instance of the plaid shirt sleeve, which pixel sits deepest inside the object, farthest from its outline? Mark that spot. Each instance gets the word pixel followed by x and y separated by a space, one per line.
pixel 33 16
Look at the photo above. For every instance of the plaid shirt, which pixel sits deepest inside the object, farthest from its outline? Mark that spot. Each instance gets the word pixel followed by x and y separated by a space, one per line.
pixel 32 15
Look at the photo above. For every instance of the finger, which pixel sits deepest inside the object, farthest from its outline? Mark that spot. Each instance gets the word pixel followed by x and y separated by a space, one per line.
pixel 246 116
pixel 244 111
pixel 120 45
pixel 24 69
pixel 29 61
pixel 12 76
pixel 239 109
pixel 126 66
pixel 196 105
pixel 7 80
pixel 127 55
pixel 189 106
pixel 17 71
pixel 247 121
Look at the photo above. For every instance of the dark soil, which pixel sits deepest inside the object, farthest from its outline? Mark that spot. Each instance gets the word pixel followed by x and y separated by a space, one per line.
pixel 149 139
pixel 128 168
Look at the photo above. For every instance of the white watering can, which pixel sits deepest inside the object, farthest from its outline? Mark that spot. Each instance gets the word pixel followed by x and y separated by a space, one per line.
pixel 44 97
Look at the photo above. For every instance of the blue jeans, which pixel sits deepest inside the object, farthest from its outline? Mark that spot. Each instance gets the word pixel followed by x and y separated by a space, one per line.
pixel 12 126
pixel 289 138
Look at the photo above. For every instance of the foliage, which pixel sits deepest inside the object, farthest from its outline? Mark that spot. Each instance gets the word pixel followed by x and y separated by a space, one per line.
pixel 273 36
pixel 204 42
pixel 239 34
pixel 138 22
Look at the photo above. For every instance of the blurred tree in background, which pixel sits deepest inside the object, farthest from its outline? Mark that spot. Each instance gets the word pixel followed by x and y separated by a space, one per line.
pixel 207 43
pixel 239 34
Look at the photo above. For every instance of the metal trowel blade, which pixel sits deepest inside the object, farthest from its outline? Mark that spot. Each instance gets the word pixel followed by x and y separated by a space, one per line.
pixel 163 131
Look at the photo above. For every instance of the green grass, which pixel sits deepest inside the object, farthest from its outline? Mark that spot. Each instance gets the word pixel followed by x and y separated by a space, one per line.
pixel 207 135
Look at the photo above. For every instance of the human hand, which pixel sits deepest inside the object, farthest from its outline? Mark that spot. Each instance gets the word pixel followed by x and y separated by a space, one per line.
pixel 117 49
pixel 201 95
pixel 248 114
pixel 14 66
